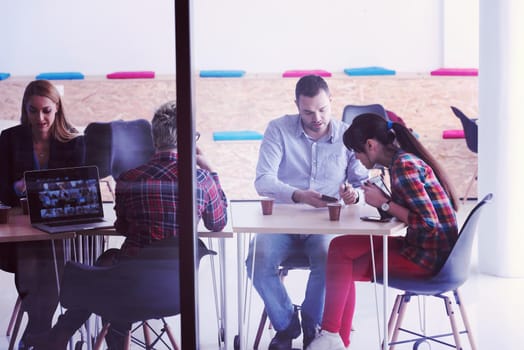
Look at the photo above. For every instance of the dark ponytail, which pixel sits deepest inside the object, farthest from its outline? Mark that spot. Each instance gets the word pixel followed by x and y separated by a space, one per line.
pixel 371 126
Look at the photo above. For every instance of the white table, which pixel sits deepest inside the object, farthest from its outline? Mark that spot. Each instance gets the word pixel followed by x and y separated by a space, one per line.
pixel 303 219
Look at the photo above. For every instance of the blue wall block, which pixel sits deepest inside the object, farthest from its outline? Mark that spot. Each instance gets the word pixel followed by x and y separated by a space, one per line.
pixel 237 135
pixel 369 71
pixel 60 76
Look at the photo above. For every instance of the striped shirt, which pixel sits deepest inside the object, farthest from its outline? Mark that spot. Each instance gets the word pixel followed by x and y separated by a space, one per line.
pixel 432 225
pixel 147 200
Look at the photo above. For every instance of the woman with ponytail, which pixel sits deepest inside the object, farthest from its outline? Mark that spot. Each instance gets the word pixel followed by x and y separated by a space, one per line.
pixel 421 197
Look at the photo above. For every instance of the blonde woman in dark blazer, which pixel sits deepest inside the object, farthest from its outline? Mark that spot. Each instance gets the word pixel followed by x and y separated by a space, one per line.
pixel 44 139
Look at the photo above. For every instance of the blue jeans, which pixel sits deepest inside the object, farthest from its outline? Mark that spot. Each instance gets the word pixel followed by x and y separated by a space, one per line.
pixel 271 251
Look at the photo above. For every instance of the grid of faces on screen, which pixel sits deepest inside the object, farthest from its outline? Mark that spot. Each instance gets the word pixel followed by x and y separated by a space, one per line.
pixel 68 198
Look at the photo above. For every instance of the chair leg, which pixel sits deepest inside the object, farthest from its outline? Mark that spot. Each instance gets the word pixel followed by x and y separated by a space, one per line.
pixel 398 313
pixel 170 335
pixel 147 334
pixel 465 319
pixel 16 328
pixel 465 198
pixel 394 315
pixel 282 273
pixel 127 341
pixel 451 314
pixel 100 339
pixel 260 329
pixel 16 310
pixel 401 313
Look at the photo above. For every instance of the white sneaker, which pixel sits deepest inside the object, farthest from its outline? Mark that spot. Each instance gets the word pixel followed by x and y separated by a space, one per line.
pixel 327 341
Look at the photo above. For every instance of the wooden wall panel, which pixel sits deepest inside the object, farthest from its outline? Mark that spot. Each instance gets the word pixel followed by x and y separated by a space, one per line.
pixel 249 103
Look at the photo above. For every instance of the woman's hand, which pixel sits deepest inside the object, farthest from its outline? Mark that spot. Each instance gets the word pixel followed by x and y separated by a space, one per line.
pixel 373 195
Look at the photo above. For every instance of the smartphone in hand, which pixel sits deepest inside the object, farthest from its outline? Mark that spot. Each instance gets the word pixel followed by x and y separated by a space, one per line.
pixel 328 199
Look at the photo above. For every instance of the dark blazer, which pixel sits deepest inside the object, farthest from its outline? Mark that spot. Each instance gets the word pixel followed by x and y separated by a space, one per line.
pixel 16 156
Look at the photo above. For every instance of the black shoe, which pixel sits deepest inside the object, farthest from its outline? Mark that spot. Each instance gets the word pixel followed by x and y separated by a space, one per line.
pixel 23 346
pixel 309 329
pixel 283 339
pixel 50 340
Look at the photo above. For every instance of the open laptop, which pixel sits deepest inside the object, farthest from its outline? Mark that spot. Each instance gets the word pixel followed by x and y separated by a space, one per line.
pixel 65 199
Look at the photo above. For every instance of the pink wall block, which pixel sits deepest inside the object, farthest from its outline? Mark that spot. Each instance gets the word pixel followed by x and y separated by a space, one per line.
pixel 456 71
pixel 301 73
pixel 131 75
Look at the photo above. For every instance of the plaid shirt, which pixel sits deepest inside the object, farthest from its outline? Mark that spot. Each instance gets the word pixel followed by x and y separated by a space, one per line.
pixel 147 200
pixel 432 225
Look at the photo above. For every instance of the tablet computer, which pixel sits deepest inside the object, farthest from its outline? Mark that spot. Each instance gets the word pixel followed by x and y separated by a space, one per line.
pixel 379 182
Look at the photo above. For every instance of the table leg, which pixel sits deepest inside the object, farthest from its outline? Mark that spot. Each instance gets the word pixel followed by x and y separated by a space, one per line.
pixel 57 278
pixel 385 296
pixel 223 286
pixel 220 301
pixel 240 282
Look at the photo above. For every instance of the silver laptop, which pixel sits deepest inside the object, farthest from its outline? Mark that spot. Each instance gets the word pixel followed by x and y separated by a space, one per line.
pixel 65 199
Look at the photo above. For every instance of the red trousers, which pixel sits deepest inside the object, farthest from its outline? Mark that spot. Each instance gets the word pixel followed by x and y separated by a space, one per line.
pixel 349 260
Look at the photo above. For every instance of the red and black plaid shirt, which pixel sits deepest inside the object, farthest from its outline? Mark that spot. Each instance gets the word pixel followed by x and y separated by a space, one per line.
pixel 432 226
pixel 147 200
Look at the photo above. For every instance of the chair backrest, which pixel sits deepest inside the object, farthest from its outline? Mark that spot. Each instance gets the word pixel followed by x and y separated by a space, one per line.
pixel 455 270
pixel 117 146
pixel 352 111
pixel 470 129
pixel 132 145
pixel 97 138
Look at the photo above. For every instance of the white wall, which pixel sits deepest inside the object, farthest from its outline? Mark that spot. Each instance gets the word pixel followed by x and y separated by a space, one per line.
pixel 461 33
pixel 100 36
pixel 94 37
pixel 501 233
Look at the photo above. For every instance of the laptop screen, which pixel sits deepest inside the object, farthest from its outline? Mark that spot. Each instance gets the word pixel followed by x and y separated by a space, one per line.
pixel 63 194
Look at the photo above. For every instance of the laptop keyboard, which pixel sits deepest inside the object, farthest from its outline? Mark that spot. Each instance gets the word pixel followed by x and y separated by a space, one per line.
pixel 76 222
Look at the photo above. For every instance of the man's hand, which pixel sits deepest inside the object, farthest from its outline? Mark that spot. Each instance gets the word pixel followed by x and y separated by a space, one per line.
pixel 20 185
pixel 348 194
pixel 201 161
pixel 310 197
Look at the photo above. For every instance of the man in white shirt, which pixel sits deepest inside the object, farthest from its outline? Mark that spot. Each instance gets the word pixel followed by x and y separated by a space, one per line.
pixel 301 158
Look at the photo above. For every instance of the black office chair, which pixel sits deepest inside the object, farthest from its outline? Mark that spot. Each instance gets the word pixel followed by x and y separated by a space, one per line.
pixel 471 134
pixel 451 276
pixel 117 146
pixel 294 262
pixel 136 289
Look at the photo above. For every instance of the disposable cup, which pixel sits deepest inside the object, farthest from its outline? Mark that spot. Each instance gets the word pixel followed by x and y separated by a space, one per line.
pixel 267 205
pixel 24 205
pixel 4 214
pixel 334 211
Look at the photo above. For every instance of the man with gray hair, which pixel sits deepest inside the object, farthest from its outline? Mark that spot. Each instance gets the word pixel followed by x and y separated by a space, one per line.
pixel 137 216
